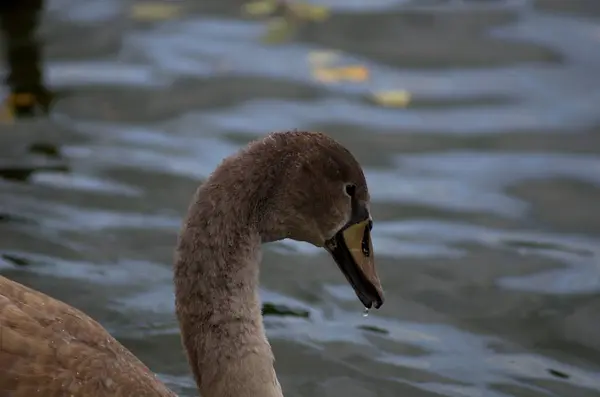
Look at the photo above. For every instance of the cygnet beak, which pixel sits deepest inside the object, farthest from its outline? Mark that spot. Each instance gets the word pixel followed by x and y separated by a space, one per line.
pixel 352 250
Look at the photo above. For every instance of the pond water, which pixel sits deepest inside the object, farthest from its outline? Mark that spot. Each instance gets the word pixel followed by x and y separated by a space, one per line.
pixel 485 181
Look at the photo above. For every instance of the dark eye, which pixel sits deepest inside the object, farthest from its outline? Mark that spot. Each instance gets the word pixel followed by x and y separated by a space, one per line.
pixel 350 190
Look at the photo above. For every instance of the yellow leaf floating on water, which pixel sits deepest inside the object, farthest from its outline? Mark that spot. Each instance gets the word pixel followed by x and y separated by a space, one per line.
pixel 7 115
pixel 12 104
pixel 398 98
pixel 322 57
pixel 325 75
pixel 260 8
pixel 22 99
pixel 347 73
pixel 310 11
pixel 154 11
pixel 278 30
pixel 355 73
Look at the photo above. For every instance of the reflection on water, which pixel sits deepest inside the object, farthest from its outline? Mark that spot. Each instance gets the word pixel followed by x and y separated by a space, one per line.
pixel 485 181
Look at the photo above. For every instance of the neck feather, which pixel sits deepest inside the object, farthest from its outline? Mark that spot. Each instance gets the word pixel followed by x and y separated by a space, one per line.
pixel 218 304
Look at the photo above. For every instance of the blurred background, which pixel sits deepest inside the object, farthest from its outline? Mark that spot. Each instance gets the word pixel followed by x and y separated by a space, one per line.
pixel 478 125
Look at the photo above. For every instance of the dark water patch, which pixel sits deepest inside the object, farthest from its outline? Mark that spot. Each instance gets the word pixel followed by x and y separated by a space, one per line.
pixel 15 260
pixel 15 174
pixel 48 149
pixel 558 374
pixel 14 218
pixel 374 329
pixel 23 172
pixel 20 159
pixel 273 309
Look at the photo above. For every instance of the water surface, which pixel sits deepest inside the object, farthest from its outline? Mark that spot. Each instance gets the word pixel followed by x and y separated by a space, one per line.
pixel 485 186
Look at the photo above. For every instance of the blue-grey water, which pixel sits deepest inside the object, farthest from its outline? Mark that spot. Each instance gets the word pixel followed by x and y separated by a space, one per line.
pixel 485 184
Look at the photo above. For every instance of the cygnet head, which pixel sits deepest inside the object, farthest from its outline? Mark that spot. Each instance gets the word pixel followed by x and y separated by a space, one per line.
pixel 310 188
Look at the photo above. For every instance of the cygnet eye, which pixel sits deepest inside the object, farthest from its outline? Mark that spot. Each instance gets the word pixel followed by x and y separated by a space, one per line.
pixel 350 189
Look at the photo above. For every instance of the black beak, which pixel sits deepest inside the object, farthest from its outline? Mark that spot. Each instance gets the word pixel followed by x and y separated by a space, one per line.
pixel 352 250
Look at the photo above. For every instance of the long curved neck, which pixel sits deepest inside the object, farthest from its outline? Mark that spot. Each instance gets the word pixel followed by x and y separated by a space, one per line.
pixel 217 301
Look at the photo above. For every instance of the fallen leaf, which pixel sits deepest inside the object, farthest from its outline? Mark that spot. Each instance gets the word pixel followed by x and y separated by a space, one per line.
pixel 325 75
pixel 348 73
pixel 392 98
pixel 310 11
pixel 260 8
pixel 7 115
pixel 154 11
pixel 16 103
pixel 355 73
pixel 322 57
pixel 22 99
pixel 278 30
